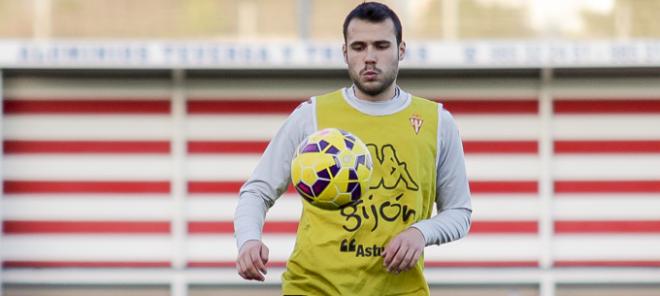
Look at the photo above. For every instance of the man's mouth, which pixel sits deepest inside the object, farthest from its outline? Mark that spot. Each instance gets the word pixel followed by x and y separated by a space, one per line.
pixel 370 74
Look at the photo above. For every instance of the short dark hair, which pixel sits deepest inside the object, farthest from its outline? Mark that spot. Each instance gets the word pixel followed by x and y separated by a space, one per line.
pixel 374 12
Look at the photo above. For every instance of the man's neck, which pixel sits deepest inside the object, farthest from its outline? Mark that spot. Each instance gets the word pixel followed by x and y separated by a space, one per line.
pixel 385 95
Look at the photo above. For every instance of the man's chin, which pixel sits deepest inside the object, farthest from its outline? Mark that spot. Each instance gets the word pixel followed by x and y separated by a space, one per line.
pixel 372 85
pixel 372 91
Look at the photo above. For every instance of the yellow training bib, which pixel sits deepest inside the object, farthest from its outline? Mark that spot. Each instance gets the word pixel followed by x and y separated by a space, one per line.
pixel 339 252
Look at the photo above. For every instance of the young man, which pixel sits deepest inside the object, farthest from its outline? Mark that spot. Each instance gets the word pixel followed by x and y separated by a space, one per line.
pixel 374 247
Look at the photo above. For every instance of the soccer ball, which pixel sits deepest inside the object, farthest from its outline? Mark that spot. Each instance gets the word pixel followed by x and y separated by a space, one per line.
pixel 331 169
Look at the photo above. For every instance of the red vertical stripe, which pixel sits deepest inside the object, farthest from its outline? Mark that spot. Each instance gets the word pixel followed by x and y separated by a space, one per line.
pixel 526 106
pixel 290 227
pixel 214 186
pixel 486 227
pixel 566 105
pixel 611 186
pixel 607 147
pixel 227 146
pixel 504 186
pixel 88 227
pixel 249 106
pixel 113 147
pixel 260 146
pixel 565 227
pixel 280 227
pixel 85 264
pixel 485 264
pixel 220 187
pixel 26 187
pixel 500 147
pixel 97 105
pixel 210 227
pixel 229 264
pixel 607 263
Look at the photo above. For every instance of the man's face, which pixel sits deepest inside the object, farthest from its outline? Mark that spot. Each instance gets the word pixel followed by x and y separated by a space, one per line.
pixel 372 55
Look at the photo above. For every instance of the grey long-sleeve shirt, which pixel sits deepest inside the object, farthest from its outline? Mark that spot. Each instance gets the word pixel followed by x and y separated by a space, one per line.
pixel 271 177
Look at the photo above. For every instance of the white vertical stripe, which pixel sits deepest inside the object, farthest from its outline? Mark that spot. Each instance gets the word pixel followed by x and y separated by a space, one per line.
pixel 472 248
pixel 178 179
pixel 80 167
pixel 545 180
pixel 498 126
pixel 505 208
pixel 607 206
pixel 221 247
pixel 607 247
pixel 638 166
pixel 502 167
pixel 221 208
pixel 547 285
pixel 79 127
pixel 493 207
pixel 606 126
pixel 87 207
pixel 484 167
pixel 221 166
pixel 487 248
pixel 58 88
pixel 87 247
pixel 2 179
pixel 258 127
pixel 269 89
pixel 607 88
pixel 263 127
pixel 179 285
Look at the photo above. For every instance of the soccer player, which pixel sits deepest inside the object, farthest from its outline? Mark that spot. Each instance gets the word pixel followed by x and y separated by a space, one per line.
pixel 374 247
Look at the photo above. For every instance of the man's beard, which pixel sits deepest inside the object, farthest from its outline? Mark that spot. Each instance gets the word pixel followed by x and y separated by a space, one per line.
pixel 376 88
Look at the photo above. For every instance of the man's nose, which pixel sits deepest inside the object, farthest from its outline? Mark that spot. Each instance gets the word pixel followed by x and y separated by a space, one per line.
pixel 370 56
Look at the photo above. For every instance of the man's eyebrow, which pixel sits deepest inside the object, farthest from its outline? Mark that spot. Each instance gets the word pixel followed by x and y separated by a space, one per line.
pixel 374 42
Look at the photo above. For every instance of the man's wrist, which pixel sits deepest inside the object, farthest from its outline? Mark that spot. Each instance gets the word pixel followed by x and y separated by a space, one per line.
pixel 420 231
pixel 241 243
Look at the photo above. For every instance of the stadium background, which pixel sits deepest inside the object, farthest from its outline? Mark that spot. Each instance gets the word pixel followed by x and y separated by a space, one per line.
pixel 128 127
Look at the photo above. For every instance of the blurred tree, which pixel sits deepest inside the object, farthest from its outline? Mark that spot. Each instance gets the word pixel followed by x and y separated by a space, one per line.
pixel 16 19
pixel 628 19
pixel 643 15
pixel 143 19
pixel 493 19
pixel 327 17
pixel 597 25
pixel 207 18
pixel 427 22
pixel 277 18
pixel 213 19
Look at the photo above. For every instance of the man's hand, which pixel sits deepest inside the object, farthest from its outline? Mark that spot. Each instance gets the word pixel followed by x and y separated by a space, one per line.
pixel 403 251
pixel 251 261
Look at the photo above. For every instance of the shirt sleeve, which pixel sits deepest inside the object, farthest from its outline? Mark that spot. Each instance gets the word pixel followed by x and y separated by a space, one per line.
pixel 453 203
pixel 271 177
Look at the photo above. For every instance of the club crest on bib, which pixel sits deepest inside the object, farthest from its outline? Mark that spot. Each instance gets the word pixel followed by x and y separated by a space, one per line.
pixel 416 121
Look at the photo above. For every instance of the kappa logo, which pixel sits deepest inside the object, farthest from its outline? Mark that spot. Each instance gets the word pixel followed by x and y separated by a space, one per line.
pixel 416 121
pixel 395 170
pixel 360 250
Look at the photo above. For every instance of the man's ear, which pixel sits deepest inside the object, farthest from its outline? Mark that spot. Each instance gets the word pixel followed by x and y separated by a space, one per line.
pixel 344 51
pixel 402 50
